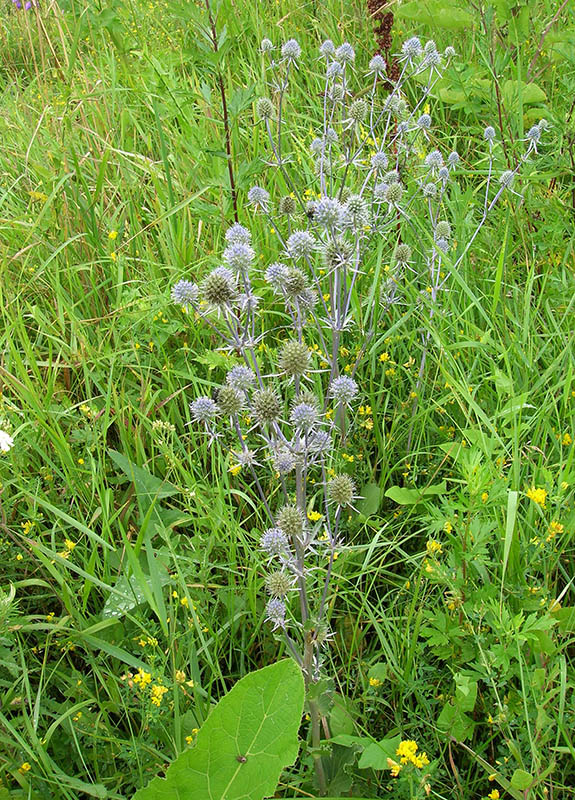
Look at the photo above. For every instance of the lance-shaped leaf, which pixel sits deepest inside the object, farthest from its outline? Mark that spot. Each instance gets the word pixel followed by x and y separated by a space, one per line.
pixel 241 749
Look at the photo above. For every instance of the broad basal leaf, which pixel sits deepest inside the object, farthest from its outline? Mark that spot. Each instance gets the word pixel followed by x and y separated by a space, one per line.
pixel 241 749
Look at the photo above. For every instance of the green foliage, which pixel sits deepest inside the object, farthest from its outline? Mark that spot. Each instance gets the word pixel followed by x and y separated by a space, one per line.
pixel 241 749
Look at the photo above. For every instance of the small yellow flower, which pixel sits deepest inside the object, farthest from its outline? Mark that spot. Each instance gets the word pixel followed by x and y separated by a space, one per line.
pixel 448 527
pixel 375 682
pixel 180 676
pixel 313 516
pixel 494 794
pixel 143 678
pixel 235 469
pixel 566 440
pixel 538 496
pixel 157 693
pixel 554 528
pixel 433 547
pixel 69 544
pixel 113 255
pixel 384 357
pixel 19 557
pixel 184 601
pixel 81 461
pixel 27 527
pixel 394 767
pixel 484 497
pixel 25 767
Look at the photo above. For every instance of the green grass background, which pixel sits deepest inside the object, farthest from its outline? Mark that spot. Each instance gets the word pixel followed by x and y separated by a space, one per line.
pixel 114 184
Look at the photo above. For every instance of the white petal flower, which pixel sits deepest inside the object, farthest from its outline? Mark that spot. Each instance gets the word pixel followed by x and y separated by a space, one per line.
pixel 6 442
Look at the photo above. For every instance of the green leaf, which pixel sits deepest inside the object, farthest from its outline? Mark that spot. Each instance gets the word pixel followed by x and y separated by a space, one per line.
pixel 409 497
pixel 370 499
pixel 521 780
pixel 241 749
pixel 376 754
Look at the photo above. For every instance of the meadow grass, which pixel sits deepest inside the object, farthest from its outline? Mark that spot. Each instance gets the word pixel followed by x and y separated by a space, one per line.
pixel 129 545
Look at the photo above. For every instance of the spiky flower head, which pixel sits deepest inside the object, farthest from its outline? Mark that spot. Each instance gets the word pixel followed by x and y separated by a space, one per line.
pixel 276 274
pixel 307 299
pixel 431 56
pixel 295 282
pixel 317 146
pixel 276 613
pixel 245 458
pixel 287 205
pixel 304 416
pixel 430 189
pixel 453 159
pixel 507 178
pixel 345 53
pixel 230 401
pixel 424 122
pixel 443 230
pixel 266 45
pixel 442 244
pixel 203 409
pixel 264 108
pixel 336 252
pixel 294 358
pixel 489 133
pixel 377 65
pixel 449 52
pixel 185 293
pixel 240 378
pixel 434 160
pixel 291 50
pixel 358 110
pixel 327 48
pixel 219 287
pixel 259 197
pixel 267 406
pixel 394 193
pixel 379 160
pixel 356 212
pixel 533 134
pixel 343 389
pixel 291 520
pixel 319 442
pixel 300 244
pixel 279 583
pixel 411 49
pixel 283 461
pixel 274 542
pixel 443 174
pixel 402 253
pixel 237 234
pixel 333 69
pixel 341 490
pixel 327 212
pixel 239 256
pixel 331 136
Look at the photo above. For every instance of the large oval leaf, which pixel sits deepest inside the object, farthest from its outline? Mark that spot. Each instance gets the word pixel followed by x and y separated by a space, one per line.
pixel 241 749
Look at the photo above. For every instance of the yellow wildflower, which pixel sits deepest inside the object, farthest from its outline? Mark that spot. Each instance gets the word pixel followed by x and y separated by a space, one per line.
pixel 484 497
pixel 538 496
pixel 494 794
pixel 554 528
pixel 566 440
pixel 157 693
pixel 143 678
pixel 433 547
pixel 113 235
pixel 375 682
pixel 313 516
pixel 25 767
pixel 384 357
pixel 394 767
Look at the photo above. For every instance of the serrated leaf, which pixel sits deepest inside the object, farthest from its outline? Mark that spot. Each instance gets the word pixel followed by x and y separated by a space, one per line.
pixel 241 749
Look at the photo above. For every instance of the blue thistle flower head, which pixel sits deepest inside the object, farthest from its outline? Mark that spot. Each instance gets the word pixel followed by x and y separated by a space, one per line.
pixel 259 197
pixel 291 50
pixel 410 49
pixel 274 542
pixel 300 244
pixel 343 389
pixel 237 234
pixel 489 133
pixel 203 409
pixel 345 53
pixel 239 256
pixel 327 48
pixel 377 65
pixel 241 378
pixel 266 45
pixel 276 613
pixel 185 293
